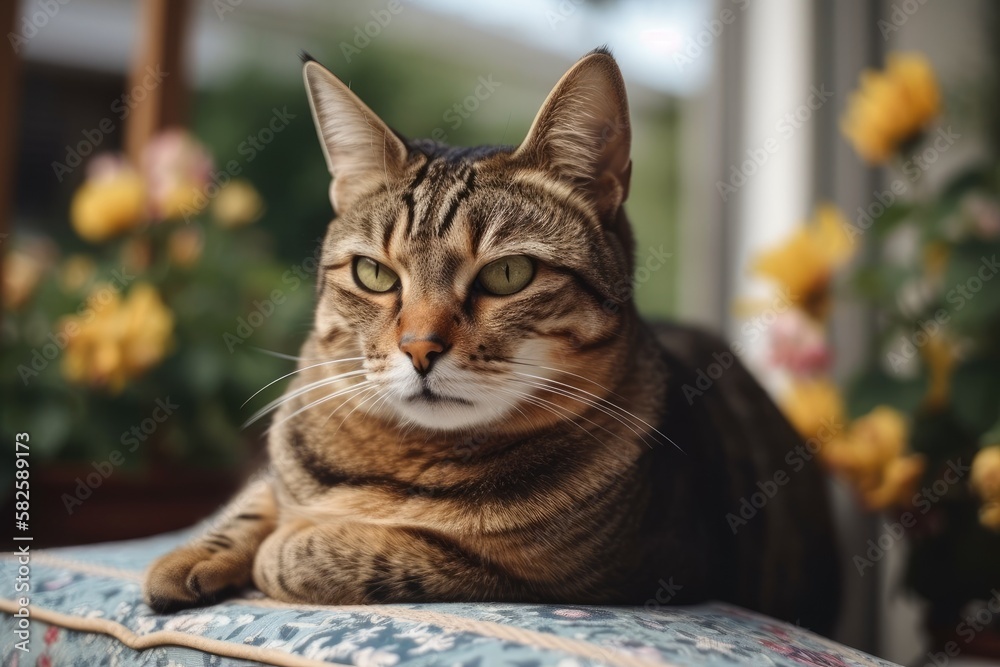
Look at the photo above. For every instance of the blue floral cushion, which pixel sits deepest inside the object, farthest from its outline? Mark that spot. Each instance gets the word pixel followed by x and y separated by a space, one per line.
pixel 86 609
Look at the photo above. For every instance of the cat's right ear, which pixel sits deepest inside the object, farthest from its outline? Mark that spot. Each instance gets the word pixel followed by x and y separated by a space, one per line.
pixel 361 151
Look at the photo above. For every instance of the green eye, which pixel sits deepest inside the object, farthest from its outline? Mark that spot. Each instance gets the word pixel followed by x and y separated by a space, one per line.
pixel 373 275
pixel 507 275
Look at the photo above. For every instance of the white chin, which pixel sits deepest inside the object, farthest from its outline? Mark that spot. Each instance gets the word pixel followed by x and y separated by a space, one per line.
pixel 446 415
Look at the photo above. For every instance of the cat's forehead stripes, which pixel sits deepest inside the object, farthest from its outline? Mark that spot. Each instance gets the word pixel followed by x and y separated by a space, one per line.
pixel 434 195
pixel 410 196
pixel 458 195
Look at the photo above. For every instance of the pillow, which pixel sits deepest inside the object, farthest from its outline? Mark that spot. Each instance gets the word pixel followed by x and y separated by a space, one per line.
pixel 86 609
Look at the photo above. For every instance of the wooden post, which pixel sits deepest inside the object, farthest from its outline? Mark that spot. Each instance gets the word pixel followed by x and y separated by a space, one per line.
pixel 158 73
pixel 10 98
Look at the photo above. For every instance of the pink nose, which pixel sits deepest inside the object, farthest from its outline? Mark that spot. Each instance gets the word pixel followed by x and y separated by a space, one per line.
pixel 422 352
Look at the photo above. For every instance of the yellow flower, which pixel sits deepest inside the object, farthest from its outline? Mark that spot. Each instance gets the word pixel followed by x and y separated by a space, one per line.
pixel 985 478
pixel 891 107
pixel 985 481
pixel 107 206
pixel 989 516
pixel 882 433
pixel 872 457
pixel 114 340
pixel 804 264
pixel 815 408
pixel 237 204
pixel 898 484
pixel 181 200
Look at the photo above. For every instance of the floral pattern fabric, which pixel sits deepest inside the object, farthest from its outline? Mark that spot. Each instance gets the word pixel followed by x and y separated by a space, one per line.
pixel 101 585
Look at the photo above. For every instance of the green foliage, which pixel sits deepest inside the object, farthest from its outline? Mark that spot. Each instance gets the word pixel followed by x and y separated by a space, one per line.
pixel 875 387
pixel 200 375
pixel 938 310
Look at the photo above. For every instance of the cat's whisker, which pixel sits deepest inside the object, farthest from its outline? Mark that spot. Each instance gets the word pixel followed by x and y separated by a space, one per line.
pixel 604 401
pixel 548 406
pixel 343 403
pixel 589 403
pixel 299 370
pixel 383 399
pixel 365 400
pixel 514 406
pixel 524 396
pixel 521 361
pixel 537 400
pixel 328 397
pixel 312 386
pixel 596 402
pixel 322 382
pixel 334 394
pixel 409 425
pixel 281 355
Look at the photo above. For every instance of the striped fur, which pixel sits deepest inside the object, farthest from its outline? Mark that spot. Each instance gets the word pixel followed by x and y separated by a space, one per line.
pixel 549 453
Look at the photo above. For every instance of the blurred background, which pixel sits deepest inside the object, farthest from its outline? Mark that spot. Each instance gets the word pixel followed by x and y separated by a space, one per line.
pixel 814 179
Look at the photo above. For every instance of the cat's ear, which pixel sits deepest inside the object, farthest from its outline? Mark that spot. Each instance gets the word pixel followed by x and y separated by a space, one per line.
pixel 582 131
pixel 361 151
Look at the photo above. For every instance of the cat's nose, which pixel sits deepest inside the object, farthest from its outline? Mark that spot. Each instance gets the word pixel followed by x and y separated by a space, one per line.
pixel 423 352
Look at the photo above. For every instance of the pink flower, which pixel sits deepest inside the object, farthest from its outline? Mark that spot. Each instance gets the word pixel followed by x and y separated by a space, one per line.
pixel 177 168
pixel 107 166
pixel 798 343
pixel 985 214
pixel 51 634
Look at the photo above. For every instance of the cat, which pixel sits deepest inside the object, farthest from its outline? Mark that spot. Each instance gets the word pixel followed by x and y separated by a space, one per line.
pixel 479 415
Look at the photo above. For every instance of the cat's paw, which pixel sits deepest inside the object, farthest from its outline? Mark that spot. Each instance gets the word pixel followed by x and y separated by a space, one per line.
pixel 194 575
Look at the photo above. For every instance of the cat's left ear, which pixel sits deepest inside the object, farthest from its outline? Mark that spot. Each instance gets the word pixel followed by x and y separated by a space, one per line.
pixel 361 151
pixel 582 131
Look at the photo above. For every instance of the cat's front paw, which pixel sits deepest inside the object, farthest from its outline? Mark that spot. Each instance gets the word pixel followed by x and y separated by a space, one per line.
pixel 194 575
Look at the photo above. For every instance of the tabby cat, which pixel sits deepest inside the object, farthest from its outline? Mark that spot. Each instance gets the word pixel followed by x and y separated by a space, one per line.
pixel 477 414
